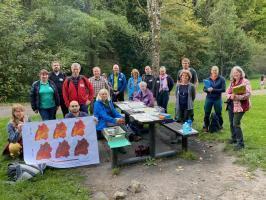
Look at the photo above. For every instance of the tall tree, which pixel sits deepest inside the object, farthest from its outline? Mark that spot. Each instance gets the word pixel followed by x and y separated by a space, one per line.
pixel 154 14
pixel 230 45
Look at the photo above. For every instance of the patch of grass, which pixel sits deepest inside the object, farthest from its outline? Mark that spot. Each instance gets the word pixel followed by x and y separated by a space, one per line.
pixel 150 162
pixel 253 126
pixel 116 171
pixel 188 155
pixel 54 184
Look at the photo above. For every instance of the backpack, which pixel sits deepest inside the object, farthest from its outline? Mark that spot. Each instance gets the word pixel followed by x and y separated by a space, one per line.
pixel 214 123
pixel 19 171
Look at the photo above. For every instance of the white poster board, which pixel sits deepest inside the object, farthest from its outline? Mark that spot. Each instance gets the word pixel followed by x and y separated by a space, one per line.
pixel 61 143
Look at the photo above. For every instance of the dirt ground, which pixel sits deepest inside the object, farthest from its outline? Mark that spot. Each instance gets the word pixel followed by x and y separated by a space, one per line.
pixel 213 175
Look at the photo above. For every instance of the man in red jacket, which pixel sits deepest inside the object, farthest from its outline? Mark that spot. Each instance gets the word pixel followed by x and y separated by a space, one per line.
pixel 78 88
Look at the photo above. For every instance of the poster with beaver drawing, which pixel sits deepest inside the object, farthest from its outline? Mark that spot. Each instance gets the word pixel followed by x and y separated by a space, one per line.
pixel 61 143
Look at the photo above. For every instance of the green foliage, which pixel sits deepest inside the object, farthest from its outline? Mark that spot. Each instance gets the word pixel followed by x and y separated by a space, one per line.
pixel 104 32
pixel 182 36
pixel 230 45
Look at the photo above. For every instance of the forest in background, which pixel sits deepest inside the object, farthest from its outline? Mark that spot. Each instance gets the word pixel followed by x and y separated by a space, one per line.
pixel 103 32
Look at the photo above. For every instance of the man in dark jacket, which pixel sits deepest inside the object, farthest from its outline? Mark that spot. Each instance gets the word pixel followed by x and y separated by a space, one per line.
pixel 163 86
pixel 78 88
pixel 58 78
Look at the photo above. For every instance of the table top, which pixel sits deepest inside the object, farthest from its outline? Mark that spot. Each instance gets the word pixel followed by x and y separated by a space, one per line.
pixel 140 112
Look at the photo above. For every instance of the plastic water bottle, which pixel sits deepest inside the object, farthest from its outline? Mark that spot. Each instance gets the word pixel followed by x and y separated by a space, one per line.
pixel 190 124
pixel 186 128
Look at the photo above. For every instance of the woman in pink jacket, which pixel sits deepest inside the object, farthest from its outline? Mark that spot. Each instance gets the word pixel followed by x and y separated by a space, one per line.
pixel 238 101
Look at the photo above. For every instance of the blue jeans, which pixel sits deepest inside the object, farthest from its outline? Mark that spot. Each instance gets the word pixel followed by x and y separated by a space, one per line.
pixel 48 113
pixel 84 108
pixel 217 105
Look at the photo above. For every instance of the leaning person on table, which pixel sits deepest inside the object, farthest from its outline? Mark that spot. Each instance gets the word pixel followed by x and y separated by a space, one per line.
pixel 144 95
pixel 185 96
pixel 105 112
pixel 14 129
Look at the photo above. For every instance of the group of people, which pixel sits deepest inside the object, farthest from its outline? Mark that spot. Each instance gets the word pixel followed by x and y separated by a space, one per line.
pixel 76 93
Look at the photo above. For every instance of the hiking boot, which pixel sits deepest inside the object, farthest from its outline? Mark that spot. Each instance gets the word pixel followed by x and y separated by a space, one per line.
pixel 238 148
pixel 205 130
pixel 231 141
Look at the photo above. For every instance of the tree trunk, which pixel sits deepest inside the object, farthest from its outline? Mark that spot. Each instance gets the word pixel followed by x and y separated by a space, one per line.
pixel 154 15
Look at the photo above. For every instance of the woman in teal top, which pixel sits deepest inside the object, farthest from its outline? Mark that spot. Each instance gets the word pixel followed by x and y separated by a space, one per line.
pixel 44 97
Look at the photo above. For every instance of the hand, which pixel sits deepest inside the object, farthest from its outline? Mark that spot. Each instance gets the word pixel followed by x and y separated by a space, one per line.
pixel 120 121
pixel 57 107
pixel 95 120
pixel 20 127
pixel 88 102
pixel 210 89
pixel 232 96
pixel 36 111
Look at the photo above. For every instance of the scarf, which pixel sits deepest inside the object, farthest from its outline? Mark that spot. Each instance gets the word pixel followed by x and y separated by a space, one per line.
pixel 163 83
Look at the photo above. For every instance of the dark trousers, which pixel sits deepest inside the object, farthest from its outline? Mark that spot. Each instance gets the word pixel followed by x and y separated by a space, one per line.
pixel 235 125
pixel 48 113
pixel 92 106
pixel 217 105
pixel 162 99
pixel 119 97
pixel 185 114
pixel 84 108
pixel 63 106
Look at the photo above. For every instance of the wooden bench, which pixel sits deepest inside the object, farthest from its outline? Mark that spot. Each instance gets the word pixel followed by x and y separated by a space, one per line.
pixel 177 129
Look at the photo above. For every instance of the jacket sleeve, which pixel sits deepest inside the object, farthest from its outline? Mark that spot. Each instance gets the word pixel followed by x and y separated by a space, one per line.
pixel 222 89
pixel 100 113
pixel 246 95
pixel 124 84
pixel 13 135
pixel 128 87
pixel 151 100
pixel 193 92
pixel 170 83
pixel 136 97
pixel 65 92
pixel 90 88
pixel 114 111
pixel 33 97
pixel 56 94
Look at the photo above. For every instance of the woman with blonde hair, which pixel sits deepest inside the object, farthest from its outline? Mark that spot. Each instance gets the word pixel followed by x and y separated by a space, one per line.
pixel 133 83
pixel 185 95
pixel 214 87
pixel 238 94
pixel 14 129
pixel 105 112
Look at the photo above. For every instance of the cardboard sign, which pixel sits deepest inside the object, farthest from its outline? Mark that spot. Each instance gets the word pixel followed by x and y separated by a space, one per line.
pixel 61 143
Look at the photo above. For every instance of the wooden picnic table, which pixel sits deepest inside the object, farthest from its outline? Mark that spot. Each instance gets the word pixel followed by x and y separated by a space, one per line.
pixel 129 115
